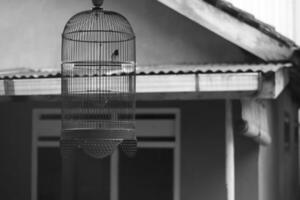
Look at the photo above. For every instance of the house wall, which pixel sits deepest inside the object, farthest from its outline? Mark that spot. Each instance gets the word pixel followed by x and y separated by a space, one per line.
pixel 288 148
pixel 31 33
pixel 278 162
pixel 262 172
pixel 270 172
pixel 202 147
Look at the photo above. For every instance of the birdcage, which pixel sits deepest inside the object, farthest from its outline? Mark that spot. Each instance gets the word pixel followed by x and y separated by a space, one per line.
pixel 98 83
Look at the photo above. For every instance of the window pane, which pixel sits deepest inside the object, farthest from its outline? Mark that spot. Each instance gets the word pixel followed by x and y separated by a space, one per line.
pixel 92 176
pixel 49 174
pixel 148 176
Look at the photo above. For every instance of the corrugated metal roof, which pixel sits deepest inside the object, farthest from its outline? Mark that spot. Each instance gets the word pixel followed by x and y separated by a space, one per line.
pixel 212 68
pixel 28 73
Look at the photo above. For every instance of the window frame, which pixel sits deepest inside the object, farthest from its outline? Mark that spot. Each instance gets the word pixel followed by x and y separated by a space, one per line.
pixel 114 159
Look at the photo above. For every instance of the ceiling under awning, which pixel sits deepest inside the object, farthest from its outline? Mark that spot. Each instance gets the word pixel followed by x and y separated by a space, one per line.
pixel 166 82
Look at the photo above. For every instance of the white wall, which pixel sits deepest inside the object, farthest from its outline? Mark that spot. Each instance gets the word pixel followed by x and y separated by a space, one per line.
pixel 278 162
pixel 31 33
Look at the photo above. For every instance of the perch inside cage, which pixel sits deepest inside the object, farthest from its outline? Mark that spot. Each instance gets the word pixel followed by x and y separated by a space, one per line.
pixel 98 83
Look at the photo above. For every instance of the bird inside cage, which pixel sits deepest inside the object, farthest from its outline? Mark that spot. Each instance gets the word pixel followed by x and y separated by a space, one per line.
pixel 115 56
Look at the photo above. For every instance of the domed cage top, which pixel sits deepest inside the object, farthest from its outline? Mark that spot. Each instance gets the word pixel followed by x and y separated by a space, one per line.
pixel 98 83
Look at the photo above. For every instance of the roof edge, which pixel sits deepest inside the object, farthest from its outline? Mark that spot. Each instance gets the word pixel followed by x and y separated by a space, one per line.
pixel 252 21
pixel 236 26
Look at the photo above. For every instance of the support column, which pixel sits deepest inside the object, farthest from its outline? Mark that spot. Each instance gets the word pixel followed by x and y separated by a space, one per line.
pixel 229 139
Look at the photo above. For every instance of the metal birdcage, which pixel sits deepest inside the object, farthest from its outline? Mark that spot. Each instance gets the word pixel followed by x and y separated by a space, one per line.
pixel 98 83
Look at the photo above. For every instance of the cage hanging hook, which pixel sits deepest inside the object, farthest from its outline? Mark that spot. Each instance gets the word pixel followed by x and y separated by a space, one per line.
pixel 97 3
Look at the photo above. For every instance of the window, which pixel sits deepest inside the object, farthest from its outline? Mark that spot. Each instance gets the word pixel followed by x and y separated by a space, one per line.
pixel 286 131
pixel 153 172
pixel 296 134
pixel 147 176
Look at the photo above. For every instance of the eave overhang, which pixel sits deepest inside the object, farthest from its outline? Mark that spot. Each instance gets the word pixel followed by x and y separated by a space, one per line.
pixel 170 82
